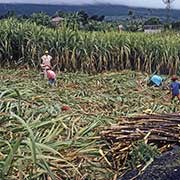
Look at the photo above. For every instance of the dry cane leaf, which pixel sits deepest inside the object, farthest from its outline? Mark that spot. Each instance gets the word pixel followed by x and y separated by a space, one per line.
pixel 103 155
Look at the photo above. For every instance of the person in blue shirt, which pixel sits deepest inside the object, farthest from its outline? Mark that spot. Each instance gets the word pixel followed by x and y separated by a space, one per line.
pixel 155 80
pixel 175 86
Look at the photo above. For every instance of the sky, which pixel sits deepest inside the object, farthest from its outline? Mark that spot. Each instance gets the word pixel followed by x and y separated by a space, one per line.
pixel 140 3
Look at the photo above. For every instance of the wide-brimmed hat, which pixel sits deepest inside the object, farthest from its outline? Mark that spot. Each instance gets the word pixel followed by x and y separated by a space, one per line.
pixel 46 52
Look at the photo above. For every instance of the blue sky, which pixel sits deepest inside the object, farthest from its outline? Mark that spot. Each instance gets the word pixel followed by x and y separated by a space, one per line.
pixel 142 3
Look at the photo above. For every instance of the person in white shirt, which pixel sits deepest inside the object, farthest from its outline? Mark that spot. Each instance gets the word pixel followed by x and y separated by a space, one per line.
pixel 46 62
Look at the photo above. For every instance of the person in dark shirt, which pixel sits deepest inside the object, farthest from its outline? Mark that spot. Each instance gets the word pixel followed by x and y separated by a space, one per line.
pixel 175 86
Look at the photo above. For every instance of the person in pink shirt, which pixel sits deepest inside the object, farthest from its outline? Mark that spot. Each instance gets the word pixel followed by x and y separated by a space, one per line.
pixel 51 75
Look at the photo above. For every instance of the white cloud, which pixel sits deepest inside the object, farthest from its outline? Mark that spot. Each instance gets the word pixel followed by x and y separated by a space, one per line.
pixel 141 3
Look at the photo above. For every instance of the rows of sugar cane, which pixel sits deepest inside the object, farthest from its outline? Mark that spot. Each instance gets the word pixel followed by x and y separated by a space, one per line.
pixel 24 43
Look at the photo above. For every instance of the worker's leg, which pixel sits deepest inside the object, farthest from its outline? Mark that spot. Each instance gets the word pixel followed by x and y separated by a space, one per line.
pixel 51 82
pixel 55 82
pixel 178 96
pixel 45 73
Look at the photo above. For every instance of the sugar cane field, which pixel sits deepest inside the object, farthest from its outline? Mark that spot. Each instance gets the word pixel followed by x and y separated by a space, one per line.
pixel 113 122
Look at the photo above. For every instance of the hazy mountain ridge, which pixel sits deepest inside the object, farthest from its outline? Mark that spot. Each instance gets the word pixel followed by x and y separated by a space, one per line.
pixel 99 9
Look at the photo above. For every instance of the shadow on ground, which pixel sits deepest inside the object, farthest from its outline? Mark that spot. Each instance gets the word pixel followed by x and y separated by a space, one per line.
pixel 165 167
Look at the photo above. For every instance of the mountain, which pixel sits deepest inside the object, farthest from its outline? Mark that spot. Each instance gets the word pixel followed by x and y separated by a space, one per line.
pixel 110 11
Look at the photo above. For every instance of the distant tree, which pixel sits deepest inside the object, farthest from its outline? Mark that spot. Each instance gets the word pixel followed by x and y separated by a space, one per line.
pixel 72 20
pixel 94 17
pixel 9 14
pixel 130 13
pixel 97 18
pixel 150 11
pixel 134 26
pixel 101 18
pixel 24 16
pixel 41 19
pixel 61 14
pixel 134 22
pixel 176 25
pixel 83 17
pixel 83 14
pixel 153 21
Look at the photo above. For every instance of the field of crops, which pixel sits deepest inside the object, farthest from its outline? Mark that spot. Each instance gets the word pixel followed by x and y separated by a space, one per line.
pixel 24 43
pixel 40 141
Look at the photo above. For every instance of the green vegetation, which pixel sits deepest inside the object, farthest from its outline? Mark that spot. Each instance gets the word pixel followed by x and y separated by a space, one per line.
pixel 40 19
pixel 77 20
pixel 24 43
pixel 38 140
pixel 153 21
pixel 141 153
